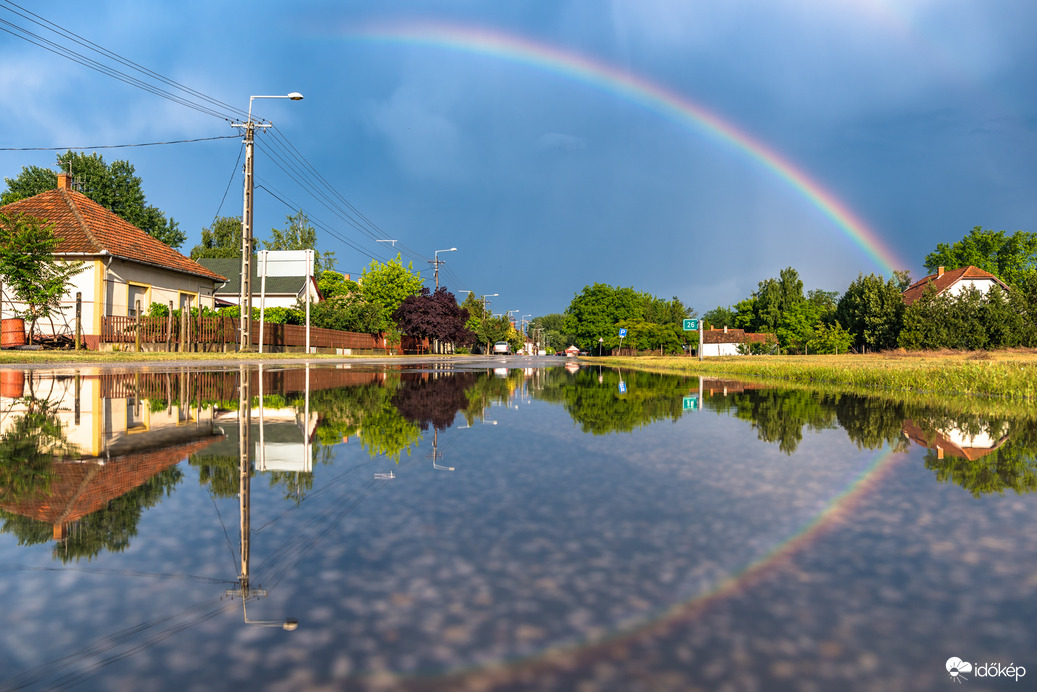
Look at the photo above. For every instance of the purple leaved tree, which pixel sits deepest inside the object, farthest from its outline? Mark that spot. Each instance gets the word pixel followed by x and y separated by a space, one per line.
pixel 434 315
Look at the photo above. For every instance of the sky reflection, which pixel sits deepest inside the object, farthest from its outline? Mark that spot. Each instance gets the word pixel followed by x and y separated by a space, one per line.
pixel 761 538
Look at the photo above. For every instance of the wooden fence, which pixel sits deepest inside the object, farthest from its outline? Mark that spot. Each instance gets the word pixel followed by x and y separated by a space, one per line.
pixel 224 330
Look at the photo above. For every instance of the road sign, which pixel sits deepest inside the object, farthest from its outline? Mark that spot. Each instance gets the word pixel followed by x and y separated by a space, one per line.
pixel 691 403
pixel 691 325
pixel 622 333
pixel 622 387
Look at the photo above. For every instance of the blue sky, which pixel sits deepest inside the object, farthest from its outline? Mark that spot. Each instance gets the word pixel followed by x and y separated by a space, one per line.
pixel 919 117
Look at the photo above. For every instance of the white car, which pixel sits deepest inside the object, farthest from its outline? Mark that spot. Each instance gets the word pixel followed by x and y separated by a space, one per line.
pixel 502 347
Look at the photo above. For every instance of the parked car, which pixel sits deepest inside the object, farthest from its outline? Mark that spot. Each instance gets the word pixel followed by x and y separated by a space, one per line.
pixel 502 347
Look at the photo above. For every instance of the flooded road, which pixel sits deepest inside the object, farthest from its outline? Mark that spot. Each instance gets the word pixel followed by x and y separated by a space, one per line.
pixel 474 525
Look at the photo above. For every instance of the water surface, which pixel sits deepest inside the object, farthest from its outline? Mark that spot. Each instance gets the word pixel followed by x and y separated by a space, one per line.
pixel 479 526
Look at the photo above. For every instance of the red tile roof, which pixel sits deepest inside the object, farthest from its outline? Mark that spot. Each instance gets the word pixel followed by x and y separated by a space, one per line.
pixel 736 336
pixel 941 282
pixel 85 227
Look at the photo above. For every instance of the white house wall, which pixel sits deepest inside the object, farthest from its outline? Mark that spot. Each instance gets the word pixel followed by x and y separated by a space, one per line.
pixel 710 350
pixel 962 285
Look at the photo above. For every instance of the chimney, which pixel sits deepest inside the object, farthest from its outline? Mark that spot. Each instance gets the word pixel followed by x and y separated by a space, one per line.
pixel 63 181
pixel 725 329
pixel 939 272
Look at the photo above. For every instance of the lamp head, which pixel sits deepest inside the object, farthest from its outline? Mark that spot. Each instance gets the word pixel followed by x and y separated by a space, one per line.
pixel 295 96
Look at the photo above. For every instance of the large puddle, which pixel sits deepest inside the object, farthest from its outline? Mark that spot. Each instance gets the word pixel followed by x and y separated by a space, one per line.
pixel 454 526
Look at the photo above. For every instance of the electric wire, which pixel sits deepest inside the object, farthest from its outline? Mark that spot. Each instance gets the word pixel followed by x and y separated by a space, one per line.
pixel 120 146
pixel 292 162
pixel 233 174
pixel 27 14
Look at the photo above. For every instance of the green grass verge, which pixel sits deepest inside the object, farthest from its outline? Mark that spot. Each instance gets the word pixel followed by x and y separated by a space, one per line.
pixel 1008 375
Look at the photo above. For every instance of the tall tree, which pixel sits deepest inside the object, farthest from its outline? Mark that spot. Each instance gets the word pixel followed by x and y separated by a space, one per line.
pixel 388 284
pixel 594 313
pixel 872 311
pixel 222 239
pixel 299 234
pixel 114 187
pixel 1009 257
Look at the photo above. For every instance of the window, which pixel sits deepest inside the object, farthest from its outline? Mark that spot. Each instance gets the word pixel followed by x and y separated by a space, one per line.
pixel 134 294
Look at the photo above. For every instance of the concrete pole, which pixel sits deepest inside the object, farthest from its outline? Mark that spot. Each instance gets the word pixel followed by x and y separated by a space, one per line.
pixel 245 297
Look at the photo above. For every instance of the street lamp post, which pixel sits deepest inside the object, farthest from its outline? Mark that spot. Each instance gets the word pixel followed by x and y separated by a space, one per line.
pixel 245 296
pixel 438 262
pixel 484 297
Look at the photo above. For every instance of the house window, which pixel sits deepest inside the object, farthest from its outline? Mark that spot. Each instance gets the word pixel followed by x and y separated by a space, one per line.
pixel 134 294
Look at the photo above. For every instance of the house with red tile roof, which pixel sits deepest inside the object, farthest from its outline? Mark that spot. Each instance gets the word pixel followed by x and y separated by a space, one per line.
pixel 953 282
pixel 726 341
pixel 122 265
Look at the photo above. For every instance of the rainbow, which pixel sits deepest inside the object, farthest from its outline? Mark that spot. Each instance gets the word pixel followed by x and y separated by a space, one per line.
pixel 837 511
pixel 642 92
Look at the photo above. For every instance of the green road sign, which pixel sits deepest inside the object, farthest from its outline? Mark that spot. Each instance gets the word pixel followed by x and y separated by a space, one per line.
pixel 691 325
pixel 691 403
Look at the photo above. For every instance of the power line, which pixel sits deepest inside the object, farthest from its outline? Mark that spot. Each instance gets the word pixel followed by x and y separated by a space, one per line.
pixel 119 146
pixel 214 105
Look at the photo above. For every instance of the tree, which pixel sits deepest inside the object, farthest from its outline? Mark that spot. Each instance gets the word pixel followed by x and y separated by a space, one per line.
pixel 299 234
pixel 720 317
pixel 221 240
pixel 114 187
pixel 388 284
pixel 434 315
pixel 1009 257
pixel 872 311
pixel 28 266
pixel 829 339
pixel 597 310
pixel 332 284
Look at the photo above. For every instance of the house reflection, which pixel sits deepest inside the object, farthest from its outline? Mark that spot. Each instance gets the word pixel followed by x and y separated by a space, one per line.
pixel 100 448
pixel 952 440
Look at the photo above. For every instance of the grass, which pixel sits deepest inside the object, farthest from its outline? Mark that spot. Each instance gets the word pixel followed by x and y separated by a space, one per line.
pixel 1009 375
pixel 129 357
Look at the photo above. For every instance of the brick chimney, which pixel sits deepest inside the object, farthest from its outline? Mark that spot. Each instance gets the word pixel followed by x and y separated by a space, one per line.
pixel 939 272
pixel 64 183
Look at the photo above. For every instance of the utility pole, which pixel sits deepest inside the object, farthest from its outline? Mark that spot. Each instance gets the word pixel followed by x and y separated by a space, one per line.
pixel 245 294
pixel 436 262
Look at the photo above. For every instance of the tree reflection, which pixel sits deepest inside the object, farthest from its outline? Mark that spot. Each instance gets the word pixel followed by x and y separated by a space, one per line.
pixel 608 401
pixel 28 447
pixel 434 400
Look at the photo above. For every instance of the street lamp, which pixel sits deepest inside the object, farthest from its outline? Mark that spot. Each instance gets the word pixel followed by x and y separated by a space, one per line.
pixel 437 262
pixel 245 297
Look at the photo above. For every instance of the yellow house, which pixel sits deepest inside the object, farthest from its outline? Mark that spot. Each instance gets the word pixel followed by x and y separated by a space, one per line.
pixel 123 266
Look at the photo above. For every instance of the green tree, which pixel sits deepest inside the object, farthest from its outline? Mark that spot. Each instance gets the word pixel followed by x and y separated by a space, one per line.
pixel 114 187
pixel 299 234
pixel 1009 257
pixel 388 284
pixel 28 267
pixel 332 284
pixel 597 310
pixel 872 311
pixel 221 240
pixel 720 317
pixel 829 339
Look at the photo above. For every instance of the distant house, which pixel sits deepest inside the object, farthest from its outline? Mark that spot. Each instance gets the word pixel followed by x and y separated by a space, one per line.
pixel 725 342
pixel 281 291
pixel 572 351
pixel 953 282
pixel 122 265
